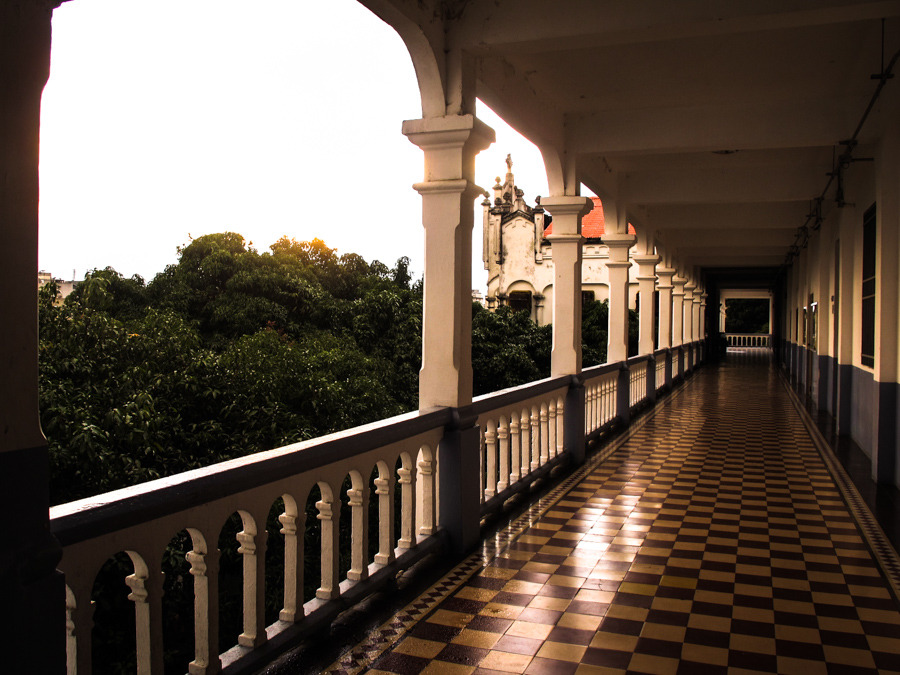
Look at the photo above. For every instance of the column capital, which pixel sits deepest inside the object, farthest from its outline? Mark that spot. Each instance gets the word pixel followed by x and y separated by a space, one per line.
pixel 645 259
pixel 618 245
pixel 567 205
pixel 678 283
pixel 665 274
pixel 450 144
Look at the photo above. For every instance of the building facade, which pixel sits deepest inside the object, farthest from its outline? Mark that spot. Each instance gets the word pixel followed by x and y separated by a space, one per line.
pixel 518 256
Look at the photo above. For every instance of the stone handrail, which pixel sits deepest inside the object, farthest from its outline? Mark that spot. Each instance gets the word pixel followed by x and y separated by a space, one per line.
pixel 521 435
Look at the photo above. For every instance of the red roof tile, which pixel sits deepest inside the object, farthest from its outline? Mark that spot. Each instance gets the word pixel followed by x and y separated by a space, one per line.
pixel 593 225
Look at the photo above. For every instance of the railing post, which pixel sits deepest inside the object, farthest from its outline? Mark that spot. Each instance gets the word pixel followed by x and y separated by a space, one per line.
pixel 573 421
pixel 458 475
pixel 623 391
pixel 651 378
pixel 669 369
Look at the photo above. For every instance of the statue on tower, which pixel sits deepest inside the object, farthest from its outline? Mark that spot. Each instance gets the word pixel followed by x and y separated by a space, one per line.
pixel 509 163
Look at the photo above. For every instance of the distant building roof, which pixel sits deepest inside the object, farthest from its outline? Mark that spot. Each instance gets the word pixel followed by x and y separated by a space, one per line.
pixel 593 225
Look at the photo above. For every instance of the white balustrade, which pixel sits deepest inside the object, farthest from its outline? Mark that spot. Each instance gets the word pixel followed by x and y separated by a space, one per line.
pixel 520 435
pixel 600 397
pixel 749 340
pixel 142 520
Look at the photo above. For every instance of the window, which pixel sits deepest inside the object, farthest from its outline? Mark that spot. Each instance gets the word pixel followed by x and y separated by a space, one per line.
pixel 868 289
pixel 520 301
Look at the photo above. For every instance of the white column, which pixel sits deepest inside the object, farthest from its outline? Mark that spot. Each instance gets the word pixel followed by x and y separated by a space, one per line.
pixel 618 266
pixel 450 144
pixel 678 311
pixel 688 309
pixel 647 287
pixel 665 287
pixel 566 239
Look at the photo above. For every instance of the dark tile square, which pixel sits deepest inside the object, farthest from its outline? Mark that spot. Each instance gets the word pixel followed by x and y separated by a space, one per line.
pixel 608 658
pixel 711 609
pixel 402 664
pixel 708 638
pixel 434 631
pixel 613 624
pixel 841 639
pixel 665 648
pixel 757 628
pixel 486 582
pixel 462 654
pixel 800 650
pixel 490 624
pixel 517 599
pixel 667 617
pixel 464 605
pixel 554 591
pixel 571 636
pixel 753 661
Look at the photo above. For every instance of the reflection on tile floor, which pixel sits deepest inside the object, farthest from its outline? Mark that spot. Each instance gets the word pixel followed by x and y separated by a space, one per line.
pixel 712 538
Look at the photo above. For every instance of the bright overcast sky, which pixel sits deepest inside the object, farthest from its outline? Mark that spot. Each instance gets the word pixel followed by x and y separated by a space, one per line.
pixel 166 119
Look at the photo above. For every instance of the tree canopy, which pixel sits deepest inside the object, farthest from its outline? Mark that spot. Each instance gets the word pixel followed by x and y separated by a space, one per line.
pixel 231 351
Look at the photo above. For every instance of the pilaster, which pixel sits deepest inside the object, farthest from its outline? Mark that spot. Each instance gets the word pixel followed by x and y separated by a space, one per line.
pixel 567 242
pixel 688 309
pixel 665 287
pixel 647 287
pixel 618 266
pixel 450 144
pixel 678 311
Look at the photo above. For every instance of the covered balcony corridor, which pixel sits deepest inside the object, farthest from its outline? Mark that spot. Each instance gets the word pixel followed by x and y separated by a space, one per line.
pixel 718 534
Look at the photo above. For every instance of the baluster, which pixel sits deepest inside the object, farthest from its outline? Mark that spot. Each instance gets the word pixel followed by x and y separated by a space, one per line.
pixel 490 445
pixel 426 474
pixel 547 451
pixel 359 532
pixel 205 570
pixel 560 425
pixel 545 435
pixel 292 528
pixel 385 492
pixel 515 451
pixel 537 437
pixel 525 450
pixel 482 457
pixel 329 518
pixel 253 551
pixel 146 594
pixel 71 642
pixel 503 443
pixel 407 508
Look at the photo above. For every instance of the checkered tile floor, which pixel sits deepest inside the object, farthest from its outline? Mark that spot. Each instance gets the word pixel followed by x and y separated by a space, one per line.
pixel 712 538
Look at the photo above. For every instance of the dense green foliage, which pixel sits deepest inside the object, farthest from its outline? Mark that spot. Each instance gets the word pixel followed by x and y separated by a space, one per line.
pixel 231 351
pixel 226 353
pixel 747 315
